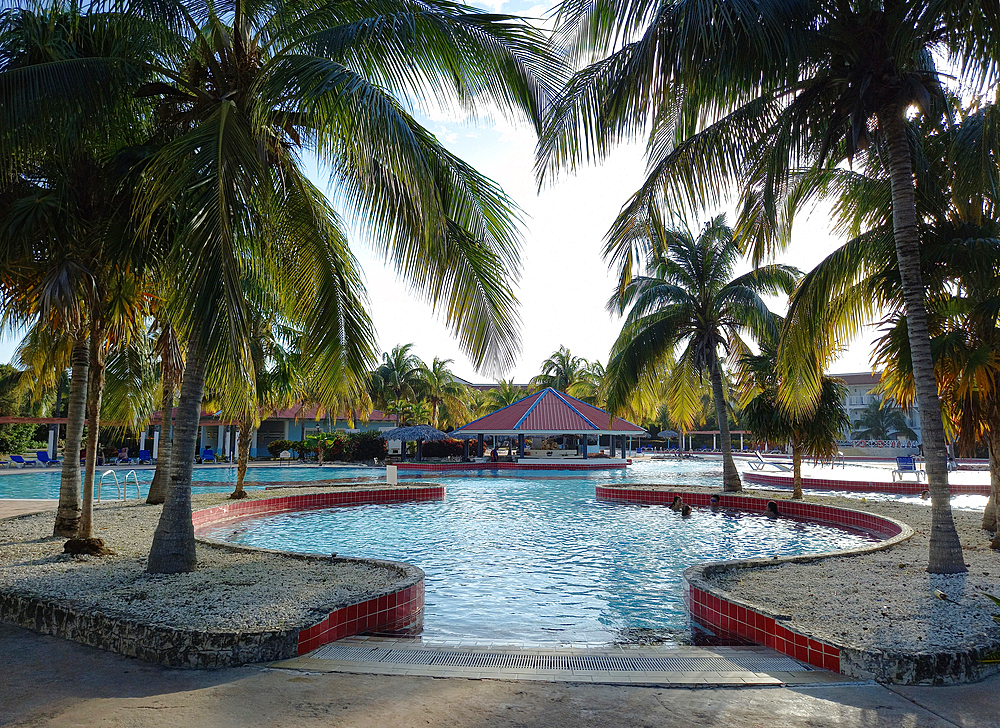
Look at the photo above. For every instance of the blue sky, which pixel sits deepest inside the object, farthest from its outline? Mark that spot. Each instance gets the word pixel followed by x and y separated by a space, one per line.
pixel 565 283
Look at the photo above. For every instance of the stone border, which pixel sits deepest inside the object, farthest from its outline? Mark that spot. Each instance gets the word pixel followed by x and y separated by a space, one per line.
pixel 398 610
pixel 908 487
pixel 729 617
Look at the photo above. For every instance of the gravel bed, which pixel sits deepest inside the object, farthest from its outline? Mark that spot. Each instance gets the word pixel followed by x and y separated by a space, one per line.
pixel 231 589
pixel 883 600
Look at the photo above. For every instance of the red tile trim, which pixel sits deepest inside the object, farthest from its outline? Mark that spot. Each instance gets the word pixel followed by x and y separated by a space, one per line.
pixel 263 506
pixel 574 465
pixel 907 487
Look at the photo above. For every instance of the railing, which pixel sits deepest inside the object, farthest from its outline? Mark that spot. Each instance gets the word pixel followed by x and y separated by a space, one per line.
pixel 119 486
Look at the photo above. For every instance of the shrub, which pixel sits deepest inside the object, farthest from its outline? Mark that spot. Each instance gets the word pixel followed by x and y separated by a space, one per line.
pixel 275 448
pixel 443 449
pixel 369 445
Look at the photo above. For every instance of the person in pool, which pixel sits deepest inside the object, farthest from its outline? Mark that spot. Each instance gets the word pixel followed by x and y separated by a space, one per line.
pixel 713 502
pixel 772 510
pixel 925 494
pixel 677 503
pixel 686 511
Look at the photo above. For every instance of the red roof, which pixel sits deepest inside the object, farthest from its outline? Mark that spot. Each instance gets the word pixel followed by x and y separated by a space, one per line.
pixel 549 411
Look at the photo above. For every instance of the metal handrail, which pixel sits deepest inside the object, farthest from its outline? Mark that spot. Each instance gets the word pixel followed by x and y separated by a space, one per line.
pixel 138 493
pixel 101 482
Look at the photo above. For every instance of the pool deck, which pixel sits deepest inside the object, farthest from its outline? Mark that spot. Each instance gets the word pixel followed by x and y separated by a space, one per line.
pixel 58 684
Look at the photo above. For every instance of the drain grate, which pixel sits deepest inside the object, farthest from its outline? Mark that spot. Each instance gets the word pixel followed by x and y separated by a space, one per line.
pixel 531 661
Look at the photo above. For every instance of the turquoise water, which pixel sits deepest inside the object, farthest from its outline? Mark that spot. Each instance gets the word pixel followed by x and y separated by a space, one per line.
pixel 539 560
pixel 44 483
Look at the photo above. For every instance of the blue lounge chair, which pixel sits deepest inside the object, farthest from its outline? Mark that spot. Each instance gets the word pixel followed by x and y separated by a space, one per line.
pixel 207 456
pixel 906 465
pixel 145 457
pixel 21 462
pixel 44 459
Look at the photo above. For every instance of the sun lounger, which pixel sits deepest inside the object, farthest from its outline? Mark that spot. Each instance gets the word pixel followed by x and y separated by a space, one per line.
pixel 758 463
pixel 145 457
pixel 21 462
pixel 906 465
pixel 207 456
pixel 44 459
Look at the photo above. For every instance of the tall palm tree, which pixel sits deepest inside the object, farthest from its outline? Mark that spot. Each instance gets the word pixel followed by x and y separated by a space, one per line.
pixel 690 299
pixel 956 179
pixel 398 379
pixel 505 393
pixel 882 420
pixel 440 388
pixel 559 371
pixel 589 384
pixel 750 93
pixel 811 434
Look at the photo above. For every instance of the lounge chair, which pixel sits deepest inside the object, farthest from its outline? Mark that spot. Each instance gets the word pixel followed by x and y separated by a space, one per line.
pixel 906 465
pixel 145 457
pixel 44 459
pixel 758 463
pixel 207 456
pixel 21 462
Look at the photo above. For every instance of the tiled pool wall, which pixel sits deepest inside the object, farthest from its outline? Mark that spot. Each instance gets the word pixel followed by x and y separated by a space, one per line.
pixel 398 612
pixel 731 619
pixel 577 465
pixel 905 487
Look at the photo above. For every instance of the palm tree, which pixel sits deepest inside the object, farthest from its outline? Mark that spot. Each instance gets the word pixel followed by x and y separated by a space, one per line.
pixel 881 420
pixel 811 434
pixel 960 232
pixel 589 384
pixel 439 388
pixel 690 299
pixel 752 93
pixel 398 379
pixel 504 394
pixel 559 371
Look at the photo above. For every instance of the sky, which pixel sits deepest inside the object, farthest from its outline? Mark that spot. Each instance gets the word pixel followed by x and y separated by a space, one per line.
pixel 565 282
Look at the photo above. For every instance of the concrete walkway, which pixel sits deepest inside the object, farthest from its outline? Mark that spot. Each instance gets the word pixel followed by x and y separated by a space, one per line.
pixel 51 682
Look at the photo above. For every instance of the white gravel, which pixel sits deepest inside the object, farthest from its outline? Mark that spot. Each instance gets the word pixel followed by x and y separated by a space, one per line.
pixel 885 600
pixel 231 590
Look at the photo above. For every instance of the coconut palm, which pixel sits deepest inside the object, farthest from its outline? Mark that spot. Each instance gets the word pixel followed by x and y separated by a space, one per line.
pixel 438 388
pixel 810 434
pixel 589 384
pixel 882 420
pixel 689 299
pixel 860 282
pixel 559 371
pixel 752 93
pixel 505 393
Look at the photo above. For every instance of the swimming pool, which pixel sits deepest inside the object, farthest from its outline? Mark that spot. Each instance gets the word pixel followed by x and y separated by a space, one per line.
pixel 539 561
pixel 44 483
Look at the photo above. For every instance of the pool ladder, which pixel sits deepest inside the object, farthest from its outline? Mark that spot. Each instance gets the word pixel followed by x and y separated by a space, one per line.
pixel 120 486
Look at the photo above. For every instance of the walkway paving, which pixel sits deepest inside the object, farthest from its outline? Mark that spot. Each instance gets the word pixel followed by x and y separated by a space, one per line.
pixel 54 683
pixel 616 665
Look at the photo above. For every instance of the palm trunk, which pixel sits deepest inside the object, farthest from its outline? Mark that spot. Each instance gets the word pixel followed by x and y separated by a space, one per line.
pixel 68 514
pixel 797 470
pixel 945 556
pixel 173 548
pixel 991 516
pixel 242 458
pixel 158 488
pixel 95 393
pixel 730 476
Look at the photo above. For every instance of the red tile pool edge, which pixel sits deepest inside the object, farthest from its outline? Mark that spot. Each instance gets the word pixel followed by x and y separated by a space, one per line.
pixel 908 487
pixel 398 612
pixel 735 621
pixel 731 620
pixel 573 465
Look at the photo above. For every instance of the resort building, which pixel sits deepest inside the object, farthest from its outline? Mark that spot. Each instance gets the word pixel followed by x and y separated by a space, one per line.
pixel 294 423
pixel 859 395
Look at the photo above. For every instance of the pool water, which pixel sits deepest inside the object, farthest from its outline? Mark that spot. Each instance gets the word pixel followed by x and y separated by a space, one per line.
pixel 540 561
pixel 44 483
